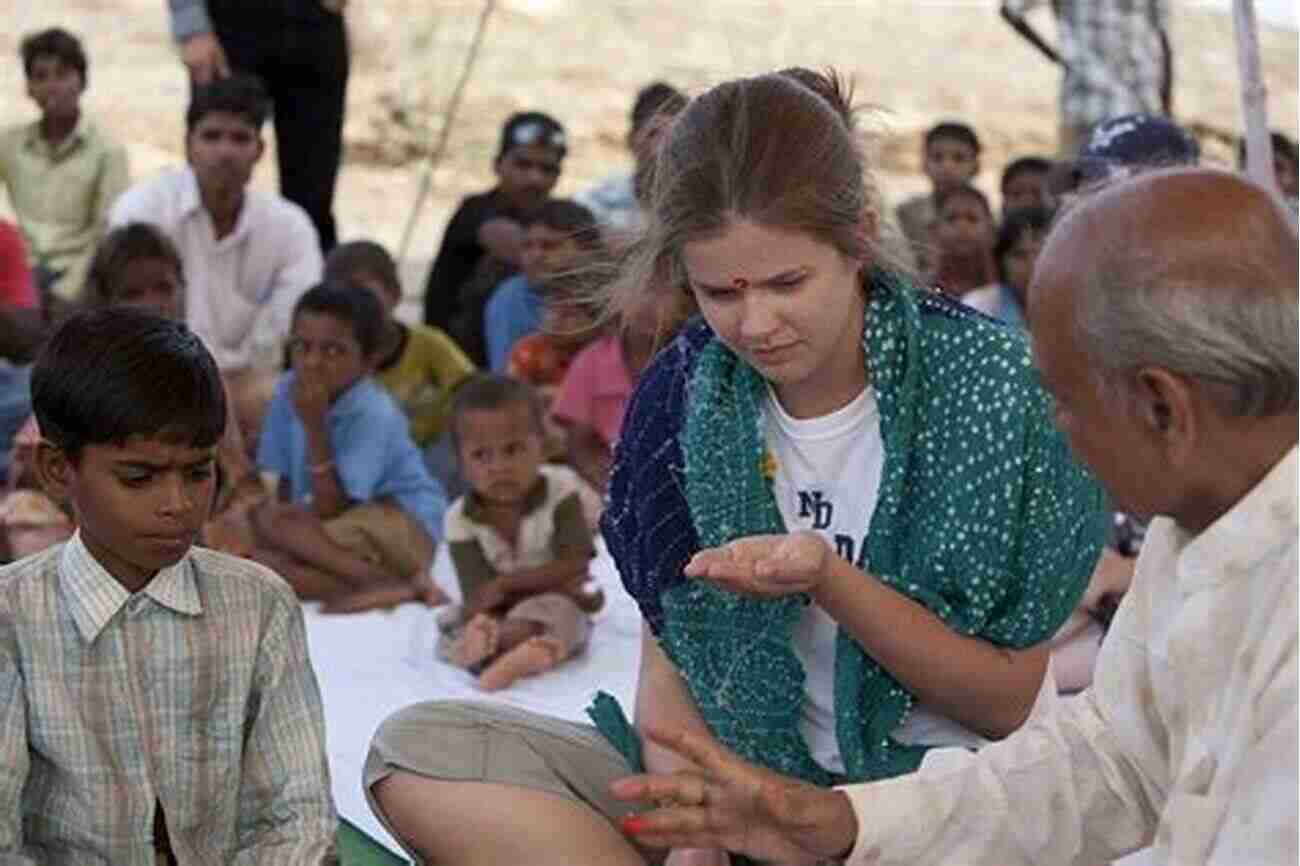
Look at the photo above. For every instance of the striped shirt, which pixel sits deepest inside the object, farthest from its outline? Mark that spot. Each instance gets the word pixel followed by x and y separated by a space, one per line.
pixel 195 694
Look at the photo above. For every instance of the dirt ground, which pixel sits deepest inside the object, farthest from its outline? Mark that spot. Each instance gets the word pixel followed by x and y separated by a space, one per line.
pixel 916 62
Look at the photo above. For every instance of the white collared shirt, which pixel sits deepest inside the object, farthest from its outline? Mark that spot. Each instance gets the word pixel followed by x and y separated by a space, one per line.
pixel 240 290
pixel 1186 742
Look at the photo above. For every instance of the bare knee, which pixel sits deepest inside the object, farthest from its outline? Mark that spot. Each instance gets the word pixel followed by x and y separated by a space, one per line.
pixel 502 824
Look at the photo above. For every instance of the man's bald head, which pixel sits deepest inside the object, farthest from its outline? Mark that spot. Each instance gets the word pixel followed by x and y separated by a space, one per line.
pixel 1189 270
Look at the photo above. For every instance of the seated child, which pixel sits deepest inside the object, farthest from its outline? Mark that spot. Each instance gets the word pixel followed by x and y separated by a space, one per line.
pixel 1020 238
pixel 61 171
pixel 483 241
pixel 136 266
pixel 599 382
pixel 569 325
pixel 419 364
pixel 950 157
pixel 963 236
pixel 358 509
pixel 22 329
pixel 521 541
pixel 560 237
pixel 1286 166
pixel 1024 184
pixel 159 702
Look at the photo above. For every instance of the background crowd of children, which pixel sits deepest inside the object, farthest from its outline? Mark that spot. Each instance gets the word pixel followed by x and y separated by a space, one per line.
pixel 343 453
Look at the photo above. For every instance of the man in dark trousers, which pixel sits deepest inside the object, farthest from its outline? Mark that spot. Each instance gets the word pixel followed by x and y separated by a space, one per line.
pixel 298 48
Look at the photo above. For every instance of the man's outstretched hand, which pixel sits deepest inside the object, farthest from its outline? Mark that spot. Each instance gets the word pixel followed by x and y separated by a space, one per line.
pixel 725 802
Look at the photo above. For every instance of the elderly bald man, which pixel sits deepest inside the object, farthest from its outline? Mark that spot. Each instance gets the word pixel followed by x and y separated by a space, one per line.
pixel 1163 315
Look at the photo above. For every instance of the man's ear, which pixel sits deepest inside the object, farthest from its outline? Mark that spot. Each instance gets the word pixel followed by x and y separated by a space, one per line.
pixel 261 148
pixel 55 471
pixel 1168 411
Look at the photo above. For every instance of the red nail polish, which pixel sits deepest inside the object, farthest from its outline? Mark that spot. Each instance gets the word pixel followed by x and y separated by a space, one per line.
pixel 633 824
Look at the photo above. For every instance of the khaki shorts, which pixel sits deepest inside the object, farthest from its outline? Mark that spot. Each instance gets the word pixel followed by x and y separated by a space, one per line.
pixel 462 741
pixel 383 533
pixel 559 616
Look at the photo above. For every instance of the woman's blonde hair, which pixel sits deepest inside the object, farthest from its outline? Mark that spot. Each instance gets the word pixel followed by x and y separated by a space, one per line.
pixel 778 150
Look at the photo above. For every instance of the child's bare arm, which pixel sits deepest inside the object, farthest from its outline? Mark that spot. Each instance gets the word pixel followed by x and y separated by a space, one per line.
pixel 589 455
pixel 311 402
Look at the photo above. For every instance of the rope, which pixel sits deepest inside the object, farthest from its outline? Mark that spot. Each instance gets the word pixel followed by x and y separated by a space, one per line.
pixel 453 105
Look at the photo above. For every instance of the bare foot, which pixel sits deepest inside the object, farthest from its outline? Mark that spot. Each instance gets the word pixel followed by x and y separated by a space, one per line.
pixel 533 656
pixel 477 641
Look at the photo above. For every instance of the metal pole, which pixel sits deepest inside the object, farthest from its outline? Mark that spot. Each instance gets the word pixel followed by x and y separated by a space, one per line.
pixel 1254 106
pixel 453 105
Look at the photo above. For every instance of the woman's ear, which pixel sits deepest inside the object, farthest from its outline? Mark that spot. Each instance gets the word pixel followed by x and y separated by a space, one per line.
pixel 868 234
pixel 54 471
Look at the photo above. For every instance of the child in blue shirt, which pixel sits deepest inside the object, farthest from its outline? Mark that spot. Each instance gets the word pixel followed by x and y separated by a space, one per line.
pixel 358 510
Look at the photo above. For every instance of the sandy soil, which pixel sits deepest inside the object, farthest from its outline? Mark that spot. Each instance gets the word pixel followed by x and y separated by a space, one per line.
pixel 583 61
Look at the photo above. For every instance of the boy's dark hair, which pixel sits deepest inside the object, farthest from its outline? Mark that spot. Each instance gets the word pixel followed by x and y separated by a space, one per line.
pixel 111 373
pixel 1025 165
pixel 119 248
pixel 487 391
pixel 1282 146
pixel 347 260
pixel 651 99
pixel 569 218
pixel 1014 226
pixel 240 94
pixel 532 127
pixel 359 309
pixel 959 191
pixel 54 42
pixel 952 130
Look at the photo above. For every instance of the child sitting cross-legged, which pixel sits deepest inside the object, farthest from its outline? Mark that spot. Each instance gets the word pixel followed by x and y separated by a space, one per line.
pixel 157 702
pixel 359 512
pixel 419 364
pixel 520 539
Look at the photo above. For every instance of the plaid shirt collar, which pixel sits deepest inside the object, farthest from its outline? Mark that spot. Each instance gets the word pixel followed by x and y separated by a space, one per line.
pixel 94 596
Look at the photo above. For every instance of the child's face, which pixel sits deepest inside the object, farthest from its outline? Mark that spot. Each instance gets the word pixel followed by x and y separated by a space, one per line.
pixel 949 163
pixel 500 451
pixel 55 87
pixel 1018 262
pixel 1026 189
pixel 222 148
pixel 963 227
pixel 324 349
pixel 150 284
pixel 1287 181
pixel 546 251
pixel 527 174
pixel 139 505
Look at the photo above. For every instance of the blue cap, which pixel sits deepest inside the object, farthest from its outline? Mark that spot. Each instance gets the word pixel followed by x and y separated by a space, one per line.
pixel 1131 140
pixel 1141 139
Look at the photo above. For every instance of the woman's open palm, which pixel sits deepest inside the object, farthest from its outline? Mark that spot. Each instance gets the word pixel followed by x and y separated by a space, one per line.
pixel 767 566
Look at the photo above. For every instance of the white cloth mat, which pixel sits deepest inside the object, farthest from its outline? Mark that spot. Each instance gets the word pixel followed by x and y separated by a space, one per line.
pixel 371 665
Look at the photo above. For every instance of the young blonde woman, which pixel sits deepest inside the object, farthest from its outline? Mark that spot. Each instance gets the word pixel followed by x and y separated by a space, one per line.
pixel 838 500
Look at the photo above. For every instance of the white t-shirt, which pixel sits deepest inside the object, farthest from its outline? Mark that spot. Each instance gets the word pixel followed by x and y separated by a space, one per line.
pixel 827 479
